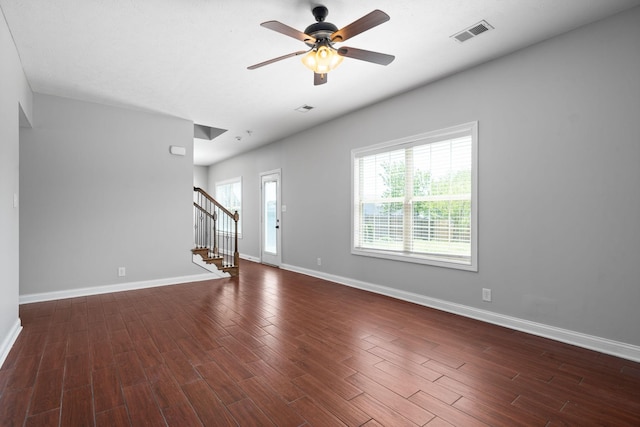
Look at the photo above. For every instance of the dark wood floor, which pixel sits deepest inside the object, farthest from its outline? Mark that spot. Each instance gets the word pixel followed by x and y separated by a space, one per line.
pixel 274 347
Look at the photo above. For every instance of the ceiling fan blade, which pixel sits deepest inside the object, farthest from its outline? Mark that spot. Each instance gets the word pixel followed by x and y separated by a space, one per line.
pixel 365 23
pixel 279 58
pixel 288 31
pixel 366 55
pixel 319 79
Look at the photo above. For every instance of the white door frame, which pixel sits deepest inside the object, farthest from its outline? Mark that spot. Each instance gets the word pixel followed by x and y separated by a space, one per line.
pixel 268 257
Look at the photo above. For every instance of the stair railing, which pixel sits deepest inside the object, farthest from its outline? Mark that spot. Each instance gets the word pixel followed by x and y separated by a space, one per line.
pixel 215 232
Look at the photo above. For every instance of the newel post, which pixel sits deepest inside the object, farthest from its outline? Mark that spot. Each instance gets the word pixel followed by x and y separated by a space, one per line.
pixel 236 254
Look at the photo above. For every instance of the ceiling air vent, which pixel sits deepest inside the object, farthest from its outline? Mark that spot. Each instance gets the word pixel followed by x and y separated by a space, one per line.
pixel 304 108
pixel 472 31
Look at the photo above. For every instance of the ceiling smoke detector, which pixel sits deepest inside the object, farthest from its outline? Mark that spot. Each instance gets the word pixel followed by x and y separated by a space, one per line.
pixel 472 31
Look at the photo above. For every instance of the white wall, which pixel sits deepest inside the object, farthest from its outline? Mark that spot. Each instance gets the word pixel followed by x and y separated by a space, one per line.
pixel 559 172
pixel 15 94
pixel 100 191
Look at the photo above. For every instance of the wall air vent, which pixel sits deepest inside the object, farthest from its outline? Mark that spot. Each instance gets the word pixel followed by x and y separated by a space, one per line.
pixel 472 31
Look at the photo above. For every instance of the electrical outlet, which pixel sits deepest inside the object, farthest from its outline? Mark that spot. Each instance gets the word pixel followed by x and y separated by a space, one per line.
pixel 486 294
pixel 122 271
pixel 319 261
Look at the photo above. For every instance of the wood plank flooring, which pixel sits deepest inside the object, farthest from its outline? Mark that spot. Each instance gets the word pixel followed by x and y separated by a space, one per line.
pixel 272 347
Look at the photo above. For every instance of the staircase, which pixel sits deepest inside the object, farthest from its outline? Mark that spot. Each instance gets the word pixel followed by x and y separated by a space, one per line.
pixel 215 233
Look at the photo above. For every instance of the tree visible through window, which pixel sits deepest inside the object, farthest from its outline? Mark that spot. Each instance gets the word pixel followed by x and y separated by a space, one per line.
pixel 229 195
pixel 414 199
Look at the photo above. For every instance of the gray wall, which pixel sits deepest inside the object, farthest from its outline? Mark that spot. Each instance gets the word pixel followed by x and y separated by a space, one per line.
pixel 200 177
pixel 249 168
pixel 15 94
pixel 559 173
pixel 101 191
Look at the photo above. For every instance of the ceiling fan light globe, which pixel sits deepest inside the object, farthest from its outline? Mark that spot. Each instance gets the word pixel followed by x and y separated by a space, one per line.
pixel 322 60
pixel 309 60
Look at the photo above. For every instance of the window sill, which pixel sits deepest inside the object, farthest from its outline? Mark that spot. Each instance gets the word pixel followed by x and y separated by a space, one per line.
pixel 418 259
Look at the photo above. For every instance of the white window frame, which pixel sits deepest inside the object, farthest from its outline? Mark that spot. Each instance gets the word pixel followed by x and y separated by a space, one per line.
pixel 466 129
pixel 231 181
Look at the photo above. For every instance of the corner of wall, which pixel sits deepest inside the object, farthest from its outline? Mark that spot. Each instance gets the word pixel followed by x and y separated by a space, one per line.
pixel 15 110
pixel 9 340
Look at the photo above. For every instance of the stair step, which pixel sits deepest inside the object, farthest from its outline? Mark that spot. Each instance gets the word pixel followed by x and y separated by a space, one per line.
pixel 216 260
pixel 233 271
pixel 203 252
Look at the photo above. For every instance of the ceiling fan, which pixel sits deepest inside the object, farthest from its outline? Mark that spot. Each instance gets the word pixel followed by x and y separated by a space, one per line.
pixel 322 56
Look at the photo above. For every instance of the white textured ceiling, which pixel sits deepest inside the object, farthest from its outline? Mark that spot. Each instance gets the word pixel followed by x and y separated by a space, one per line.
pixel 189 58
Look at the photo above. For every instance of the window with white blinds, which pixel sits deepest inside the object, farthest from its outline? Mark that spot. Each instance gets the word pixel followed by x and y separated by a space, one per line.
pixel 229 195
pixel 415 199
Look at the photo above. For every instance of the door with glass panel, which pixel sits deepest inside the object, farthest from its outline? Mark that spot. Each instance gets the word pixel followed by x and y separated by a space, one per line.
pixel 270 218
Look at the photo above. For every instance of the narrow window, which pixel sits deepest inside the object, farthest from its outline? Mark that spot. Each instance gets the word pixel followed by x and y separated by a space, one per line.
pixel 229 195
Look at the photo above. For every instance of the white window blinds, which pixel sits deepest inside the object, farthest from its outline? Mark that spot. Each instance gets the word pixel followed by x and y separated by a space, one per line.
pixel 414 199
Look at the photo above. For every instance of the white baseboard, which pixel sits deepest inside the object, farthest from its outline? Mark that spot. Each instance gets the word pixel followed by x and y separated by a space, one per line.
pixel 603 345
pixel 97 290
pixel 9 340
pixel 591 342
pixel 249 258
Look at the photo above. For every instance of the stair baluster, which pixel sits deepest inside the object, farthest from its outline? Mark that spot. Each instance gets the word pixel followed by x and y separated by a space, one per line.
pixel 215 233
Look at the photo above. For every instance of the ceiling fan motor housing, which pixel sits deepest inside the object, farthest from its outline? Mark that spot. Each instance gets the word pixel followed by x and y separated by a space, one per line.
pixel 321 30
